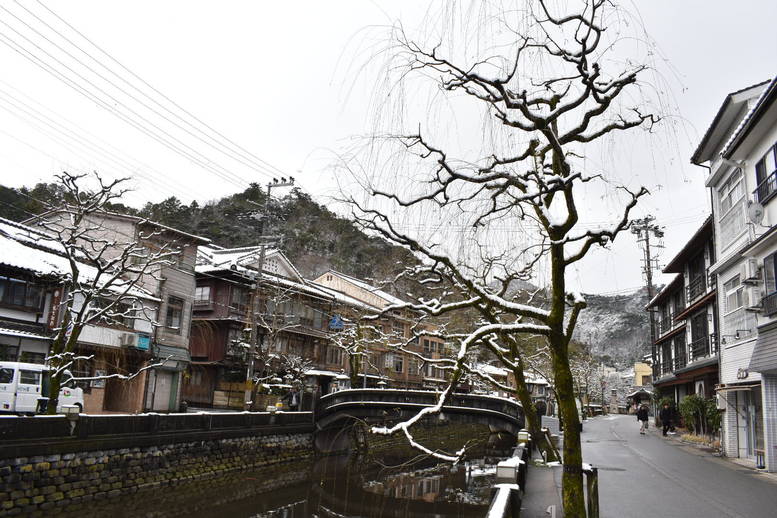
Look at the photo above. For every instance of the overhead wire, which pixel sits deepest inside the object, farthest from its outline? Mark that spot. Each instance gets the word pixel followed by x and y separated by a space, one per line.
pixel 130 95
pixel 236 148
pixel 83 136
pixel 187 151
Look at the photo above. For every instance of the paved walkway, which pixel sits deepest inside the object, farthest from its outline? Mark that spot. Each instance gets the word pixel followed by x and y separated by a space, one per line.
pixel 650 475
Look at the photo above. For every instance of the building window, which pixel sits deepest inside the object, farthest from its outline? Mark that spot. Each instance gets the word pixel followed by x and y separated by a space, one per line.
pixel 766 175
pixel 398 328
pixel 398 363
pixel 21 293
pixel 9 353
pixel 30 357
pixel 334 355
pixel 202 295
pixel 113 313
pixel 732 216
pixel 734 294
pixel 174 314
pixel 239 300
pixel 412 367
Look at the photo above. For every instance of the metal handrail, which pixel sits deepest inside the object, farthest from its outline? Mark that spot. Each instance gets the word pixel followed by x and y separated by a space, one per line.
pixel 696 288
pixel 766 188
pixel 769 303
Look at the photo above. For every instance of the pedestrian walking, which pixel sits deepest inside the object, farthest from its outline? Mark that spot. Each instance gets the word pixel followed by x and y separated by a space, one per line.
pixel 642 417
pixel 666 419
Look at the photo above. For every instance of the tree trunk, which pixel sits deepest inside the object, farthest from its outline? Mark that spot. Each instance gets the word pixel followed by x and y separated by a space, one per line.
pixel 533 421
pixel 572 478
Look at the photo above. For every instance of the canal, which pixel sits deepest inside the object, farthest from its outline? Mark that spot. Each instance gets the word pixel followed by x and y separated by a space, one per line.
pixel 394 482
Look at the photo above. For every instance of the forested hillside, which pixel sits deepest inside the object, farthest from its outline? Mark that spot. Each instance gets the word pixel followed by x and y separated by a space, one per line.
pixel 314 238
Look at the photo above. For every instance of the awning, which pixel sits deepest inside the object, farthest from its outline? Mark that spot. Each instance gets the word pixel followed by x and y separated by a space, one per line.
pixel 764 357
pixel 316 372
pixel 640 391
pixel 171 358
pixel 732 388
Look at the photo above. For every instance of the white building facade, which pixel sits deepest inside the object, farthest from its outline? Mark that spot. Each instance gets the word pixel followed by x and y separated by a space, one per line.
pixel 739 150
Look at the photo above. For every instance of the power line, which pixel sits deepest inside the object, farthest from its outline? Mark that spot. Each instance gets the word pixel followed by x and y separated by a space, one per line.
pixel 234 147
pixel 125 92
pixel 187 152
pixel 77 136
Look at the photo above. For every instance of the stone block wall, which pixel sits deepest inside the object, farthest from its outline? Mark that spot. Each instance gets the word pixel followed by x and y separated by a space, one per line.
pixel 68 481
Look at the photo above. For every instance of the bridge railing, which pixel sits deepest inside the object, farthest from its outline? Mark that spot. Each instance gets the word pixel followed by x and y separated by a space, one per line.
pixel 418 397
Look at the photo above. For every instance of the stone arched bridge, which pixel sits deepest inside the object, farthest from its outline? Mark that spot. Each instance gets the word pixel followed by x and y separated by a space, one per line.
pixel 390 405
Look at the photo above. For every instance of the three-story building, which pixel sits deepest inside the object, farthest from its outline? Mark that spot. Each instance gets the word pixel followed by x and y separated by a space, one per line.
pixel 739 151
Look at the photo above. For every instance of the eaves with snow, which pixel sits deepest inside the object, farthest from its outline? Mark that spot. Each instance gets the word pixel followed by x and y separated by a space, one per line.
pixel 33 251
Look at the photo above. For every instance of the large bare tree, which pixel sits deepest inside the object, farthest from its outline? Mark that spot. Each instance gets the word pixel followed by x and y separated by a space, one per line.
pixel 550 91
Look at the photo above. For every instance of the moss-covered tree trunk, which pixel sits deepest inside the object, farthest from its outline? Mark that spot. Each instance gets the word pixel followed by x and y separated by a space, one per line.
pixel 573 496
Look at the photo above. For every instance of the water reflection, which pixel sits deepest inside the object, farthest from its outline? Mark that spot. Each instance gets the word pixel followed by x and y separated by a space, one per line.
pixel 392 485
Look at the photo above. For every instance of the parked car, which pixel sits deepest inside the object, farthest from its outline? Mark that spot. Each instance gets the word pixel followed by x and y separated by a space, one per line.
pixel 24 389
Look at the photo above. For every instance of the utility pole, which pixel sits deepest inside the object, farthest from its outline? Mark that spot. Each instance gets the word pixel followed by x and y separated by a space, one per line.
pixel 253 341
pixel 643 228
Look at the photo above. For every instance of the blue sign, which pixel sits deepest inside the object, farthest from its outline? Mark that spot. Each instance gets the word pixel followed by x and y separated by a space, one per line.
pixel 144 341
pixel 336 322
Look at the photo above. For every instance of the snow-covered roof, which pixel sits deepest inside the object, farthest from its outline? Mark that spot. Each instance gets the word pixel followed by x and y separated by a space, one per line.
pixel 491 370
pixel 22 334
pixel 213 258
pixel 29 249
pixel 390 299
pixel 127 217
pixel 343 298
pixel 319 372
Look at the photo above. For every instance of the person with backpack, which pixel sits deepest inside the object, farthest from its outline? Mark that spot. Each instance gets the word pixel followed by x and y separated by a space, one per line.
pixel 642 417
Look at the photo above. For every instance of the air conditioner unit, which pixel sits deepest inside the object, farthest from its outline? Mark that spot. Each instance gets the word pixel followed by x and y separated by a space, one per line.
pixel 128 339
pixel 753 296
pixel 750 271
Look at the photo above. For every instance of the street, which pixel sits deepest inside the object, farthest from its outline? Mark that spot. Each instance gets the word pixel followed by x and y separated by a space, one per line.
pixel 651 476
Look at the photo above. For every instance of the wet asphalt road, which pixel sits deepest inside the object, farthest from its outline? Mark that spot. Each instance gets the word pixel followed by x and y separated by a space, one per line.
pixel 648 476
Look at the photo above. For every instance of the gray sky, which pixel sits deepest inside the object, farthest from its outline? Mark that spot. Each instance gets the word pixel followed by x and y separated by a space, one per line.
pixel 276 78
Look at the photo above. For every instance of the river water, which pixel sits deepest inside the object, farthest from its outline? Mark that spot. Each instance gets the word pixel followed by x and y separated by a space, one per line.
pixel 393 484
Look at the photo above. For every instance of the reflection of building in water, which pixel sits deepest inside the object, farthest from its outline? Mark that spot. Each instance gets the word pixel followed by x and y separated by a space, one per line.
pixel 427 485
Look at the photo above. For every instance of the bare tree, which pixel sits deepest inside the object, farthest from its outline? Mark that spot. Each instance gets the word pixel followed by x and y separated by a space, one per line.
pixel 106 277
pixel 551 94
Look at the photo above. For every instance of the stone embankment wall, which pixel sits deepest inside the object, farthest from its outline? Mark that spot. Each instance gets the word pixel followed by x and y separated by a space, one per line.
pixel 68 481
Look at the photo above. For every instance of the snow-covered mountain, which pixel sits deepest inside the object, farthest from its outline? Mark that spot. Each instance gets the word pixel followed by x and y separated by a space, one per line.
pixel 616 326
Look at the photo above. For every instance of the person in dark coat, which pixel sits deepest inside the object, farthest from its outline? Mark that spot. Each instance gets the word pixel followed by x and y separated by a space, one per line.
pixel 642 417
pixel 666 418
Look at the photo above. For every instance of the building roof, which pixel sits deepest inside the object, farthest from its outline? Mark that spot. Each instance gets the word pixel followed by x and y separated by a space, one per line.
pixel 29 249
pixel 390 299
pixel 344 298
pixel 691 248
pixel 666 291
pixel 212 260
pixel 730 107
pixel 751 119
pixel 135 219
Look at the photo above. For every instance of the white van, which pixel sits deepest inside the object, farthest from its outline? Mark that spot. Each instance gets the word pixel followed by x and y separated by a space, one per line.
pixel 23 385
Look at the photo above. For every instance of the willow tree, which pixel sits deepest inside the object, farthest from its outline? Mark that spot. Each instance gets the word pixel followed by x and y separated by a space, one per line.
pixel 550 91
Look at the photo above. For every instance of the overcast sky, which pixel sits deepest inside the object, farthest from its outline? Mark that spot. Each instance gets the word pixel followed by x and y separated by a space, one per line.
pixel 276 79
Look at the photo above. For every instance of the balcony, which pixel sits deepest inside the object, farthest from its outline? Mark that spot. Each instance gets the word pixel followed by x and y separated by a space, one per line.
pixel 701 348
pixel 665 324
pixel 679 360
pixel 696 288
pixel 766 188
pixel 769 303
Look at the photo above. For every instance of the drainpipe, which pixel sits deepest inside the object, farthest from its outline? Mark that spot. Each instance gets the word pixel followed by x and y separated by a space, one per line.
pixel 715 317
